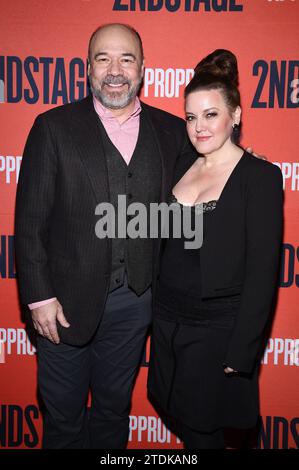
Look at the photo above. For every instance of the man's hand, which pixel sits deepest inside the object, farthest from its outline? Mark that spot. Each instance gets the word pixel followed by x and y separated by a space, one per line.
pixel 249 150
pixel 229 370
pixel 44 320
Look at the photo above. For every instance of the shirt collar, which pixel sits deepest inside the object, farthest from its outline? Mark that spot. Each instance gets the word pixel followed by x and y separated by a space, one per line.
pixel 105 113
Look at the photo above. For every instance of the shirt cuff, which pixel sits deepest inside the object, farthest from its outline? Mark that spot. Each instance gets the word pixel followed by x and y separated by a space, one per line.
pixel 42 302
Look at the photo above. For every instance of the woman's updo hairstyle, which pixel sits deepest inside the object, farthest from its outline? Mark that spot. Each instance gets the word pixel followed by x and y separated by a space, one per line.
pixel 218 71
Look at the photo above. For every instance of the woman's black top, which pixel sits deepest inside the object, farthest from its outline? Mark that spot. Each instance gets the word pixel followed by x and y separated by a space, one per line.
pixel 179 279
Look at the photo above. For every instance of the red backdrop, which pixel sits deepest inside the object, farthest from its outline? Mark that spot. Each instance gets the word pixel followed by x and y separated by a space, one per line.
pixel 43 64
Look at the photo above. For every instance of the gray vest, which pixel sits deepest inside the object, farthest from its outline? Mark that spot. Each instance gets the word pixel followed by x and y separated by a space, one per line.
pixel 140 181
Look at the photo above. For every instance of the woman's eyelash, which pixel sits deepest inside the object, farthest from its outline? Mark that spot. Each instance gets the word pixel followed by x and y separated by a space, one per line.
pixel 208 115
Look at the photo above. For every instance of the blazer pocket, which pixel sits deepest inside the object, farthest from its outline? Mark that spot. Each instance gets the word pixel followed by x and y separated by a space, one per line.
pixel 230 290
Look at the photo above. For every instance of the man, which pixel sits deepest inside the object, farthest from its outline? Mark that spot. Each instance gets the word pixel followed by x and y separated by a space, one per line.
pixel 90 297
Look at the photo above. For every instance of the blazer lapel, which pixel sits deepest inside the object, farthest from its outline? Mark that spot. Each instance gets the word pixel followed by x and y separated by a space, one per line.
pixel 86 136
pixel 229 201
pixel 163 141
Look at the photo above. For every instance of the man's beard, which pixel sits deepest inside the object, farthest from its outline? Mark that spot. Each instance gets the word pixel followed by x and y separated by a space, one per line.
pixel 115 99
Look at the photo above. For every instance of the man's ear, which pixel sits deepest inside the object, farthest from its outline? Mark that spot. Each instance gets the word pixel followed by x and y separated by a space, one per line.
pixel 88 67
pixel 142 69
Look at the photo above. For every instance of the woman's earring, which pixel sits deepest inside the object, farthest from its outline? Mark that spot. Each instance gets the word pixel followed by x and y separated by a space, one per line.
pixel 236 133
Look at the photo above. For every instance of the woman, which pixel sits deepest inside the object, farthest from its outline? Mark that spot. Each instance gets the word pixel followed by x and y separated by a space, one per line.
pixel 212 304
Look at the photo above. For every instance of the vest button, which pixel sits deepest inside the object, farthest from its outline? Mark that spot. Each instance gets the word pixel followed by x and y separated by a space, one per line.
pixel 130 174
pixel 130 196
pixel 121 260
pixel 117 281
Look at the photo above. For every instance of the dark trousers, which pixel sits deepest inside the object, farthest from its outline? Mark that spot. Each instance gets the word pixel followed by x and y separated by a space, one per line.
pixel 107 366
pixel 198 440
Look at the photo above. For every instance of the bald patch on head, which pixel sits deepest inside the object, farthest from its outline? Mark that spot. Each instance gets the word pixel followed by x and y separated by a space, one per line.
pixel 117 27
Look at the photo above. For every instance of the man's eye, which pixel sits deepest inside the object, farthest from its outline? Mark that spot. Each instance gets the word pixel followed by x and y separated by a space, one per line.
pixel 127 60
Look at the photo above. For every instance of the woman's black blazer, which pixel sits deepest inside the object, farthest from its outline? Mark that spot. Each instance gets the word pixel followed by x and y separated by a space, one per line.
pixel 241 252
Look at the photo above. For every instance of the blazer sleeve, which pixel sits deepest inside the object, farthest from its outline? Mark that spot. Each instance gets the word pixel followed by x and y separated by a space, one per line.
pixel 264 216
pixel 34 201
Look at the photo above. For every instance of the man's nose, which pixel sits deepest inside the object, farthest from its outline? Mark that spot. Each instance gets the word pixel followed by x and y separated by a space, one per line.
pixel 115 67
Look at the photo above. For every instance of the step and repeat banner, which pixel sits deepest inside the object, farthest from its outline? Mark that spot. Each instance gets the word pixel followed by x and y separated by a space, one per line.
pixel 43 57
